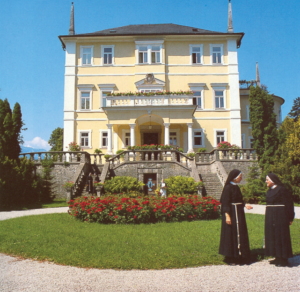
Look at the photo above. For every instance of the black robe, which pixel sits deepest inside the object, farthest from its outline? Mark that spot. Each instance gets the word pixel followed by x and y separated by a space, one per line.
pixel 90 187
pixel 229 236
pixel 277 219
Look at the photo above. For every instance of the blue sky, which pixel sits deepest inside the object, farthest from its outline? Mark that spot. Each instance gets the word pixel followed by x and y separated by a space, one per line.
pixel 32 60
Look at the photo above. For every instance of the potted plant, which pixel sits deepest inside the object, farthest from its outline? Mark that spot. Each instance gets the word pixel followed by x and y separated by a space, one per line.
pixel 191 155
pixel 201 150
pixel 120 152
pixel 107 157
pixel 153 147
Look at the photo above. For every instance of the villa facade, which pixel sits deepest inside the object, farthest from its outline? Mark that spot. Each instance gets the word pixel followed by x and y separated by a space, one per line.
pixel 156 83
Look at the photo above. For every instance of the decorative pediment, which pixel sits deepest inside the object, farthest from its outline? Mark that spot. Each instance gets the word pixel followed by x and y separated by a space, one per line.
pixel 150 80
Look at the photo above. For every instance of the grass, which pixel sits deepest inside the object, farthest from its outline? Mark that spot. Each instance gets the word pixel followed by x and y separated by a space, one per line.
pixel 60 239
pixel 54 204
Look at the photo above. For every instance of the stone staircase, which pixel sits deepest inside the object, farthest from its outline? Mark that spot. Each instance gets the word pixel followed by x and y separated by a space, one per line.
pixel 212 185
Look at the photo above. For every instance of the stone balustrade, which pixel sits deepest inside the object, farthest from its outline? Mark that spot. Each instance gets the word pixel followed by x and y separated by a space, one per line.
pixel 244 154
pixel 153 100
pixel 58 156
pixel 149 156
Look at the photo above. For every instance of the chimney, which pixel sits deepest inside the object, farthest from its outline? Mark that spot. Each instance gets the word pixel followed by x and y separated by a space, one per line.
pixel 72 28
pixel 230 27
pixel 257 75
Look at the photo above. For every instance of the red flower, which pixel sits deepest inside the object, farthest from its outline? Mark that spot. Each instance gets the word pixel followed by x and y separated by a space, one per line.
pixel 204 210
pixel 190 216
pixel 134 217
pixel 116 217
pixel 154 210
pixel 164 211
pixel 110 213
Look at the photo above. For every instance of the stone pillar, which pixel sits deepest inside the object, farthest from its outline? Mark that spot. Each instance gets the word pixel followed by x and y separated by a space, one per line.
pixel 132 134
pixel 190 137
pixel 167 133
pixel 109 138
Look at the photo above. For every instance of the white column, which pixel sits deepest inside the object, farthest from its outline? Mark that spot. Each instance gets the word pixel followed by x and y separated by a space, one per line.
pixel 109 138
pixel 167 133
pixel 190 137
pixel 234 92
pixel 132 134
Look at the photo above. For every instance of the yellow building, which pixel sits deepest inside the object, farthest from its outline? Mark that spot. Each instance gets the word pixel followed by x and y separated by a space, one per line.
pixel 130 85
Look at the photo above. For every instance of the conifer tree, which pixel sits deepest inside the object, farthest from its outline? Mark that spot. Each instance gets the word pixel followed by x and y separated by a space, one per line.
pixel 264 129
pixel 295 111
pixel 17 127
pixel 56 139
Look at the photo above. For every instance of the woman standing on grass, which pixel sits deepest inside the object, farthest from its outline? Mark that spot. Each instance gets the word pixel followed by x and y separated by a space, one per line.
pixel 279 216
pixel 234 242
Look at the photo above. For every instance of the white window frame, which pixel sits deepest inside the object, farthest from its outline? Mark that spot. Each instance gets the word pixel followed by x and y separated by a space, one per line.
pixel 198 87
pixel 124 132
pixel 211 54
pixel 113 54
pixel 149 44
pixel 248 113
pixel 215 135
pixel 201 54
pixel 105 88
pixel 243 141
pixel 92 55
pixel 177 136
pixel 250 138
pixel 216 88
pixel 85 88
pixel 101 136
pixel 89 131
pixel 203 138
pixel 155 52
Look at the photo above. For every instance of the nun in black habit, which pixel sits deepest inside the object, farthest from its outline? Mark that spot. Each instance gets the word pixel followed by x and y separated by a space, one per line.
pixel 279 216
pixel 234 242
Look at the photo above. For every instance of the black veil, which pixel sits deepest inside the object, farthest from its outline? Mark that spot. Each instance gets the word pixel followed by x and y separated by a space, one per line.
pixel 231 176
pixel 275 179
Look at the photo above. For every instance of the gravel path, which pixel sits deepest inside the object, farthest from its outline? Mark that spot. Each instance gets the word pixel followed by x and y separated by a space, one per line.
pixel 29 275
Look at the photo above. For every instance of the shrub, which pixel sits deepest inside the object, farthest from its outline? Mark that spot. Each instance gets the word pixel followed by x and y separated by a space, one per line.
pixel 120 152
pixel 114 209
pixel 122 184
pixel 97 151
pixel 179 185
pixel 180 150
pixel 107 156
pixel 200 150
pixel 191 155
pixel 224 145
pixel 73 146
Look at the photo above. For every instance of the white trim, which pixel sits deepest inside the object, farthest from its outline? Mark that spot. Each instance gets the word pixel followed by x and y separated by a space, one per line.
pixel 92 55
pixel 213 118
pixel 202 136
pixel 100 142
pixel 211 54
pixel 89 131
pixel 113 54
pixel 89 119
pixel 83 90
pixel 155 73
pixel 115 142
pixel 215 135
pixel 146 43
pixel 124 131
pixel 198 87
pixel 201 53
pixel 105 88
pixel 216 88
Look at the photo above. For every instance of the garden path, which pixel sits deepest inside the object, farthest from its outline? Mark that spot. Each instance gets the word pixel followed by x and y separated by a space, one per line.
pixel 29 275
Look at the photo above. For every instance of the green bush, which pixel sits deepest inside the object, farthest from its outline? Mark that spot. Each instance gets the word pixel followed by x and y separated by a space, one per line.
pixel 122 184
pixel 119 152
pixel 180 185
pixel 200 150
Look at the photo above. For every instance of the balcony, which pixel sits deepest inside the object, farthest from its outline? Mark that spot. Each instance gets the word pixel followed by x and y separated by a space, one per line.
pixel 153 100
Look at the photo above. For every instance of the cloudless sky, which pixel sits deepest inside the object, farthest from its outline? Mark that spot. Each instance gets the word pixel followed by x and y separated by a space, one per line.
pixel 32 59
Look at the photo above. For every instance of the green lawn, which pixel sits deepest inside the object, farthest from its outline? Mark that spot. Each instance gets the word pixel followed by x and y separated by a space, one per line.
pixel 56 203
pixel 61 239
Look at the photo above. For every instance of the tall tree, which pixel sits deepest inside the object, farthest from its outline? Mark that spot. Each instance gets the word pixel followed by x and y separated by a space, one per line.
pixel 295 111
pixel 264 128
pixel 56 139
pixel 17 127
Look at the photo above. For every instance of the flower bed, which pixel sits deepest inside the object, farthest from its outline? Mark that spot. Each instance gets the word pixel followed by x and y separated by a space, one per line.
pixel 114 209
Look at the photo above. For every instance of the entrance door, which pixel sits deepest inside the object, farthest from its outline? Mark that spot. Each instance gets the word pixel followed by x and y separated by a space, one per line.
pixel 151 138
pixel 150 183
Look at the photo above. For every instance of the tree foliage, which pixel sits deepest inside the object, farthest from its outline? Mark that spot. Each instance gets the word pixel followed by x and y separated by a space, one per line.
pixel 18 184
pixel 295 111
pixel 263 124
pixel 287 158
pixel 56 139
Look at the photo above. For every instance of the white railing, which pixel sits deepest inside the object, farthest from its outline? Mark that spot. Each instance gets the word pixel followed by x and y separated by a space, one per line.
pixel 153 100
